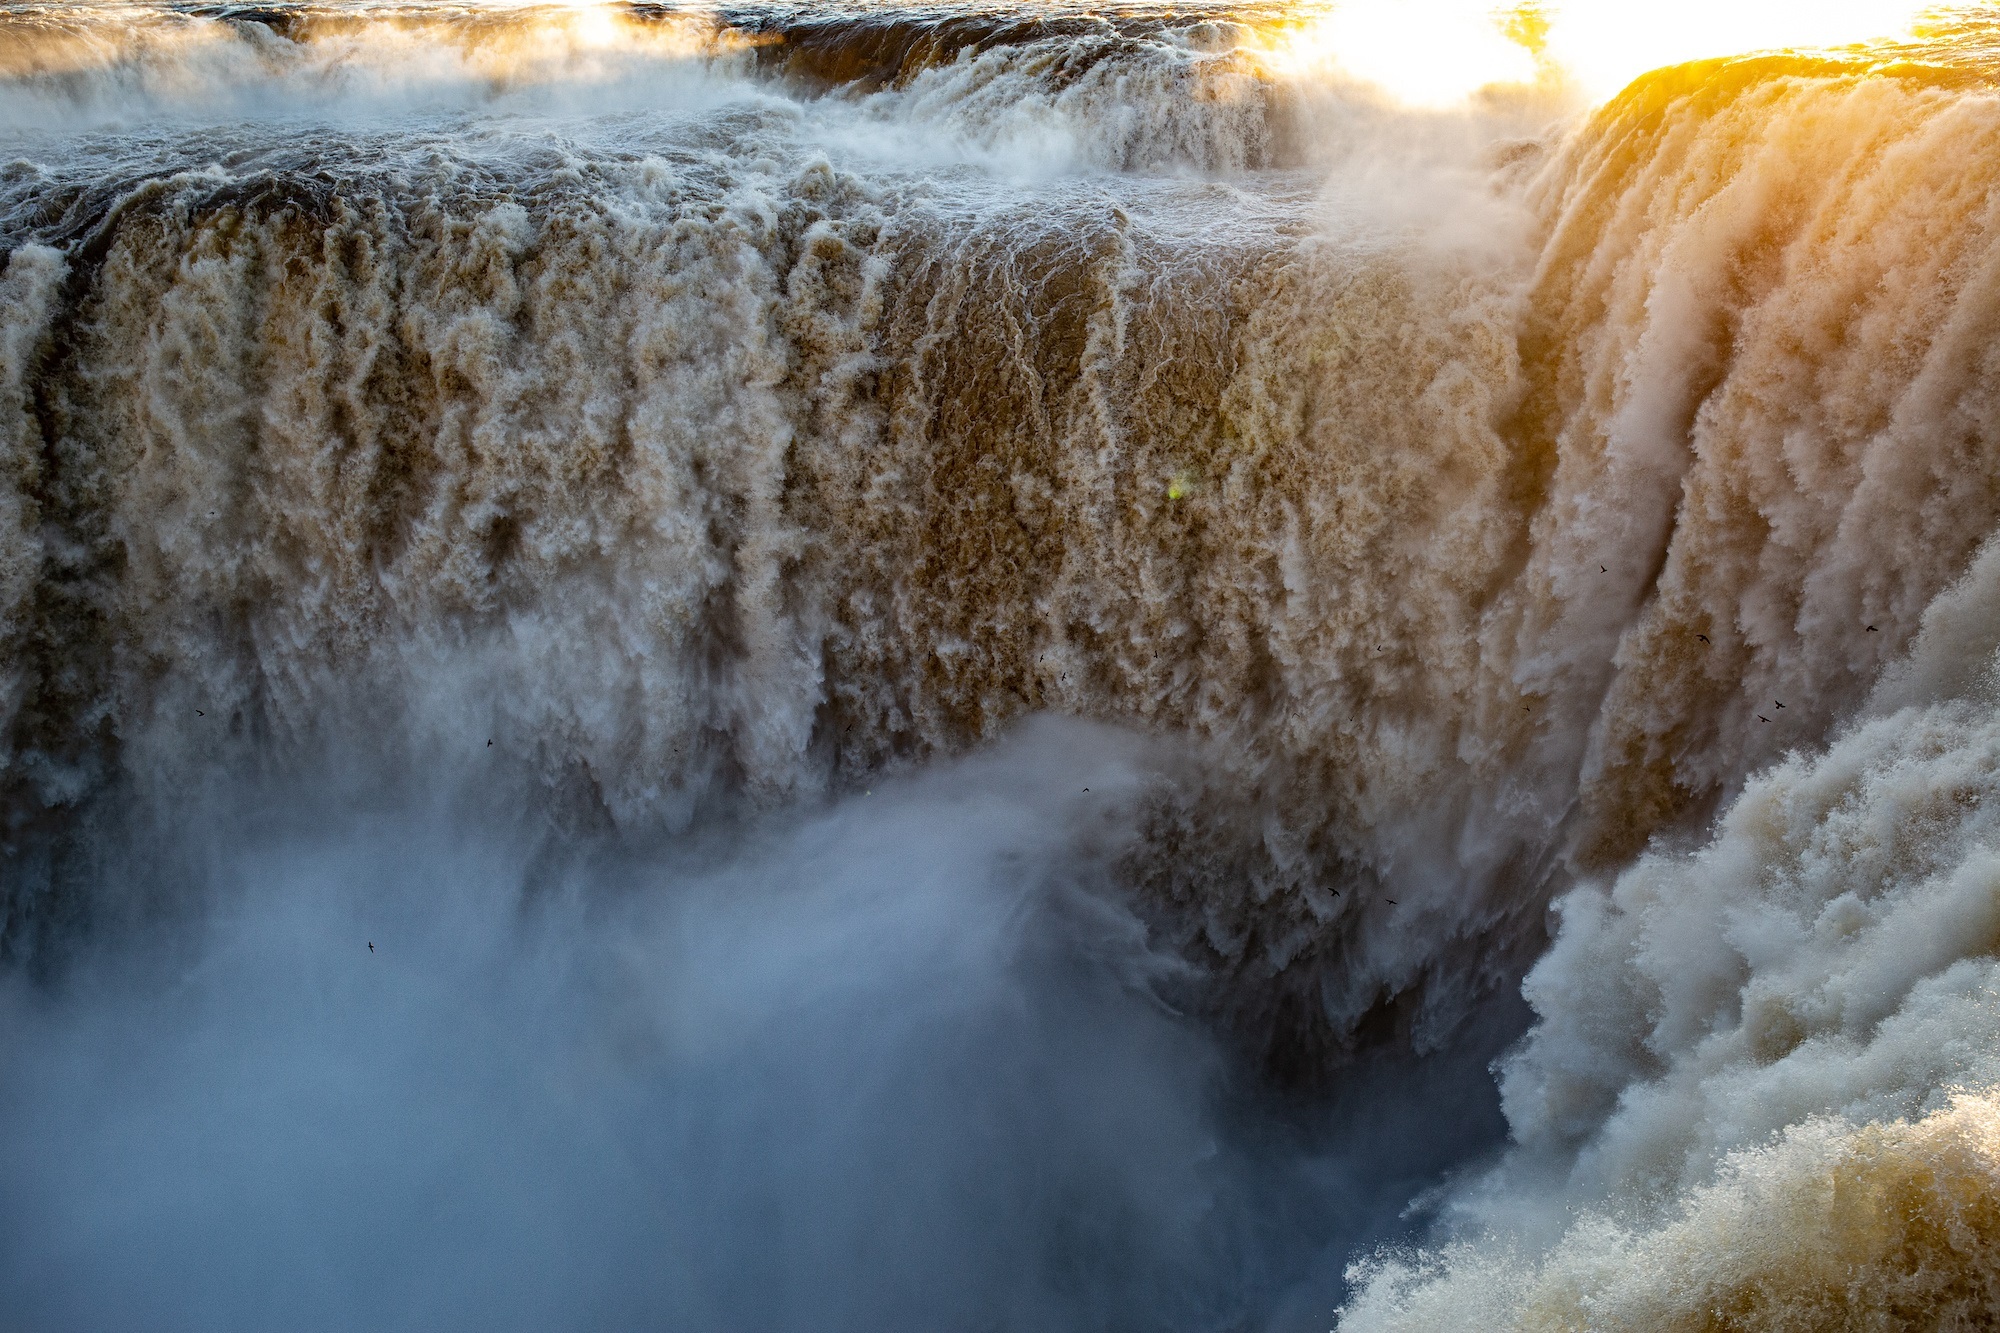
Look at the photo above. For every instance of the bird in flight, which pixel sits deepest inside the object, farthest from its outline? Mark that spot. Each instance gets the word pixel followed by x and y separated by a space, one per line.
pixel 371 946
pixel 1702 637
pixel 1762 718
pixel 1873 630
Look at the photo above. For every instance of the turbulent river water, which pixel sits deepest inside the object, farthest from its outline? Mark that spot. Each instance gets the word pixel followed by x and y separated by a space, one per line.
pixel 979 667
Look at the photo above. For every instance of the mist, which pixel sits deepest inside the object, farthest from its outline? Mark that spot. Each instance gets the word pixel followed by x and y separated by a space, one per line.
pixel 906 1060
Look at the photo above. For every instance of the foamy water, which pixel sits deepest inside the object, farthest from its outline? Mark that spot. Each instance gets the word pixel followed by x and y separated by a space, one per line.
pixel 966 664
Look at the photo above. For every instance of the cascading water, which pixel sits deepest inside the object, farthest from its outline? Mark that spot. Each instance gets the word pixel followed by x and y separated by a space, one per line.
pixel 890 668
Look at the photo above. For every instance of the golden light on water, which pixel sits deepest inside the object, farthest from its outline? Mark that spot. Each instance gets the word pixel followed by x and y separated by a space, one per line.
pixel 1438 52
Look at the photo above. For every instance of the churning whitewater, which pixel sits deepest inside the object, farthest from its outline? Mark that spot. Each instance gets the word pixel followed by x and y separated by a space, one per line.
pixel 991 667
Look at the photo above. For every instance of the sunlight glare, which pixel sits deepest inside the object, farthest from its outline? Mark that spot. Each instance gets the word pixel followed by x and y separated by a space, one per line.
pixel 594 24
pixel 1435 53
pixel 1605 44
pixel 1423 52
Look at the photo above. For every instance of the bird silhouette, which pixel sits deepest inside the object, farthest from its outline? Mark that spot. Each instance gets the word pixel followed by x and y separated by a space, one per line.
pixel 1762 718
pixel 199 713
pixel 1781 705
pixel 371 946
pixel 1602 570
pixel 1390 901
pixel 1702 637
pixel 1872 629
